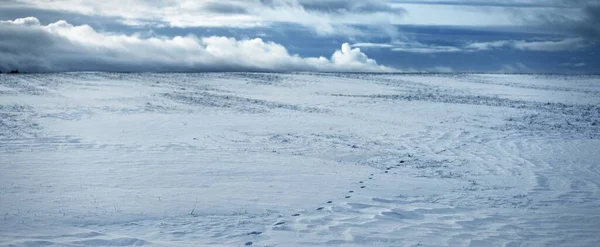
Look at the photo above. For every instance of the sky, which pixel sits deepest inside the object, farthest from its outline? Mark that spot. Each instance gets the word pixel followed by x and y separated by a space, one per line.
pixel 492 36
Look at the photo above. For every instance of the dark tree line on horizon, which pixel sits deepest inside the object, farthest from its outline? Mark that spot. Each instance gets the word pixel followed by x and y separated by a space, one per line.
pixel 14 71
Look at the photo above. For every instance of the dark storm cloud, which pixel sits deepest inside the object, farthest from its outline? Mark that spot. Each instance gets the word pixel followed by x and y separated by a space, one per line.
pixel 26 48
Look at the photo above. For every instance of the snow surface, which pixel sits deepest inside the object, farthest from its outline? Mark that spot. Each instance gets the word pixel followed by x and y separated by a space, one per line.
pixel 235 159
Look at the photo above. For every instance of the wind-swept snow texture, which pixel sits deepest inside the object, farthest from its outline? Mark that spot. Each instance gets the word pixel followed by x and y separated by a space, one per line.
pixel 250 159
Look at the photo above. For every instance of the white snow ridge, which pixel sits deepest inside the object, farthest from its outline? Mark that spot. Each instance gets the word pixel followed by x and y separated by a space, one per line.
pixel 299 159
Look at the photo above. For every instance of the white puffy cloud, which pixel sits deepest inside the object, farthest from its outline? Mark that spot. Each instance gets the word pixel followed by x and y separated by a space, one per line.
pixel 30 46
pixel 353 59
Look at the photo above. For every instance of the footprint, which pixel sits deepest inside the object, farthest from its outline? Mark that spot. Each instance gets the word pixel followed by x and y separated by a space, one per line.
pixel 362 187
pixel 360 182
pixel 402 161
pixel 348 197
pixel 279 223
pixel 387 171
pixel 248 243
pixel 370 178
pixel 320 208
pixel 351 191
pixel 389 168
pixel 329 201
pixel 254 233
pixel 295 215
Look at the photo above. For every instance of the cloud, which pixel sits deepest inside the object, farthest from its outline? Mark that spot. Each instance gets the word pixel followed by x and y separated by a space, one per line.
pixel 373 45
pixel 579 17
pixel 352 58
pixel 345 6
pixel 425 49
pixel 482 46
pixel 412 47
pixel 577 65
pixel 568 44
pixel 325 17
pixel 590 25
pixel 464 13
pixel 480 3
pixel 30 46
pixel 222 8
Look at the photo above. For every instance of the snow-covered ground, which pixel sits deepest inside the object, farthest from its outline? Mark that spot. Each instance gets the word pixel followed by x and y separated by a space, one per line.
pixel 234 159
